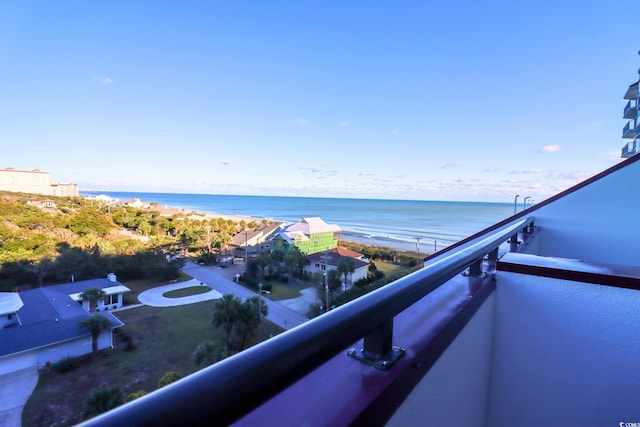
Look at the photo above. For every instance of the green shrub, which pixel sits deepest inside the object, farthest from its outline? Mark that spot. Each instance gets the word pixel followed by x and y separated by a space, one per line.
pixel 169 377
pixel 362 282
pixel 65 365
pixel 134 396
pixel 102 400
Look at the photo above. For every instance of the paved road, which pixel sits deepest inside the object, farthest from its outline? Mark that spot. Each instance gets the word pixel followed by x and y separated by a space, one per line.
pixel 213 277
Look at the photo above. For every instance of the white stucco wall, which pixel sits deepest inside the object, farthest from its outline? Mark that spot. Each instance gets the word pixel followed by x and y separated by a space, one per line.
pixel 455 390
pixel 596 222
pixel 16 362
pixel 565 353
pixel 71 348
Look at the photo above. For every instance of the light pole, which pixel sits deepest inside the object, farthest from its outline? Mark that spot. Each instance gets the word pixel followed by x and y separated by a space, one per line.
pixel 418 250
pixel 246 246
pixel 524 202
pixel 515 204
pixel 326 291
pixel 260 308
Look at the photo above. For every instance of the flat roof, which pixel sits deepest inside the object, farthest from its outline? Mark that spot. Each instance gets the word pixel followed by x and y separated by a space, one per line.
pixel 112 290
pixel 10 302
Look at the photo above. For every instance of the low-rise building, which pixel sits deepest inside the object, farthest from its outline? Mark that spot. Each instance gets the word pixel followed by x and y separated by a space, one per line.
pixel 328 260
pixel 258 239
pixel 310 236
pixel 41 326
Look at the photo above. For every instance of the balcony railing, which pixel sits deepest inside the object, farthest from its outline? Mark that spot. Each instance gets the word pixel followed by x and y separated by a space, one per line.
pixel 629 131
pixel 228 390
pixel 629 149
pixel 632 91
pixel 630 110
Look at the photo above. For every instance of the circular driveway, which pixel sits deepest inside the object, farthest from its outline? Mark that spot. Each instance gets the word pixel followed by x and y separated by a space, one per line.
pixel 154 297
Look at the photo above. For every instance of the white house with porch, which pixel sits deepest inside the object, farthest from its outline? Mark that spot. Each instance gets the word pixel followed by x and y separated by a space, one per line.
pixel 328 260
pixel 39 327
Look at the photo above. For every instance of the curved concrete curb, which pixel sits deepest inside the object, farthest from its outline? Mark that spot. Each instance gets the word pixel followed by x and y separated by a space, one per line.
pixel 153 297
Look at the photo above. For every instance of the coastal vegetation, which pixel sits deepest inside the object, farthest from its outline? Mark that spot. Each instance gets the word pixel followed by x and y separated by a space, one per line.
pixel 76 239
pixel 165 340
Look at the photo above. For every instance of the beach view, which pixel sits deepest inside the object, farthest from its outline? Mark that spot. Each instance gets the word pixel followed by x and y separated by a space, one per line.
pixel 319 213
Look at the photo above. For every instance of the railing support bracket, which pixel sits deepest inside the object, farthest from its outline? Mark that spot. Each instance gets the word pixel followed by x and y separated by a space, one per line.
pixel 384 362
pixel 378 350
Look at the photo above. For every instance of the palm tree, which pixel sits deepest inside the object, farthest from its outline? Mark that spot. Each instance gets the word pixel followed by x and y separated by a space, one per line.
pixel 93 295
pixel 102 400
pixel 346 265
pixel 334 281
pixel 251 312
pixel 294 259
pixel 208 353
pixel 225 313
pixel 96 324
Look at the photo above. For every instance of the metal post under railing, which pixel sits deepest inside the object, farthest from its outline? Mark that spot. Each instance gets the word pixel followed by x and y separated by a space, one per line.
pixel 378 350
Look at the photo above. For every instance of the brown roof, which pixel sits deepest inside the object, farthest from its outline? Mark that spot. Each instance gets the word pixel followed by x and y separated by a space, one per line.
pixel 332 257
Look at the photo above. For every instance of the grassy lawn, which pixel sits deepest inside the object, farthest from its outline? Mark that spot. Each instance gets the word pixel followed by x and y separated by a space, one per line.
pixel 279 290
pixel 164 340
pixel 185 292
pixel 389 268
pixel 138 286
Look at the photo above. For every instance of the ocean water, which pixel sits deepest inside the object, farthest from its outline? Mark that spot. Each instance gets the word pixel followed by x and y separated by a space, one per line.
pixel 393 223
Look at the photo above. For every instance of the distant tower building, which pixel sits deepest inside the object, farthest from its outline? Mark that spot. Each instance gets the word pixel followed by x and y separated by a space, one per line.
pixel 630 131
pixel 35 182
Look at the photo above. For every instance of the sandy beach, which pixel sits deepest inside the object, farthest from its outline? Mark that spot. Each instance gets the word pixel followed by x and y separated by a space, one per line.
pixel 345 236
pixel 191 214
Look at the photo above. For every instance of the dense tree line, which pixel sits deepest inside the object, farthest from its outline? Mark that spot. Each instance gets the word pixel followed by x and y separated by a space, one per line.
pixel 84 239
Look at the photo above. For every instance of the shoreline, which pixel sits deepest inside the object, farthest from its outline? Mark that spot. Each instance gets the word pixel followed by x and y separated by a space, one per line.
pixel 381 242
pixel 346 236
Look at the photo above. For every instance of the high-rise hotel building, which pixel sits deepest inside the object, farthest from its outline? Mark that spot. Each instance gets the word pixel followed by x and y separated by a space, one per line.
pixel 35 182
pixel 630 131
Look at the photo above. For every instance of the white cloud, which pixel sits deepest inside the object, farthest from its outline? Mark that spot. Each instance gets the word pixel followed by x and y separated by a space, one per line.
pixel 530 170
pixel 550 149
pixel 575 176
pixel 310 169
pixel 104 80
pixel 610 156
pixel 343 124
pixel 450 165
pixel 226 162
pixel 303 122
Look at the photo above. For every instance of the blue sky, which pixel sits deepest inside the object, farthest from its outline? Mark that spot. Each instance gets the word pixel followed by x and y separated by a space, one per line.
pixel 418 100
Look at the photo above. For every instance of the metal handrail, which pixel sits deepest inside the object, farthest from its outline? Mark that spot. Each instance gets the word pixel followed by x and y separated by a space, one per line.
pixel 227 390
pixel 629 131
